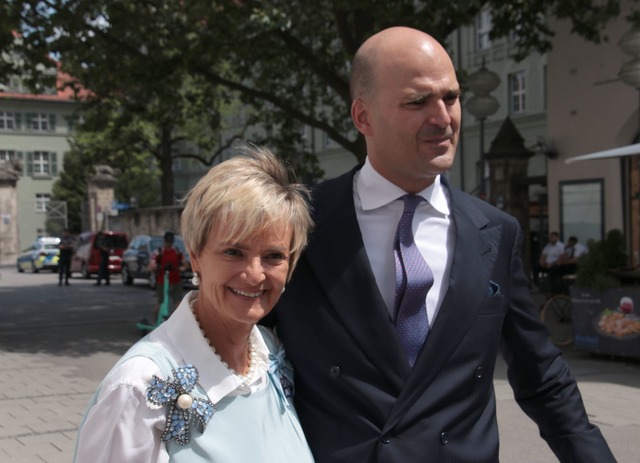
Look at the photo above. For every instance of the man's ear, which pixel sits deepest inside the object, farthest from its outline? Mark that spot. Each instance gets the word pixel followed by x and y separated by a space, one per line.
pixel 360 116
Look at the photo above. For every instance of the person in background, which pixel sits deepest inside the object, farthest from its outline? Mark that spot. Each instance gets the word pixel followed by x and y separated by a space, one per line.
pixel 66 246
pixel 547 264
pixel 167 259
pixel 568 260
pixel 551 251
pixel 208 385
pixel 105 251
pixel 410 288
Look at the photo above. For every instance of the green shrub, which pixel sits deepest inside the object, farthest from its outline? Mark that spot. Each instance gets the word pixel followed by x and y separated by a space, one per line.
pixel 594 267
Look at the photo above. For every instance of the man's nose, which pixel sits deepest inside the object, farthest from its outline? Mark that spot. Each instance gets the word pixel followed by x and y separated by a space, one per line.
pixel 439 114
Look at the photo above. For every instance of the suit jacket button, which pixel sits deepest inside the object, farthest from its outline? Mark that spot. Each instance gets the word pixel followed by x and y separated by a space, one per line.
pixel 444 438
pixel 385 439
pixel 479 372
pixel 334 371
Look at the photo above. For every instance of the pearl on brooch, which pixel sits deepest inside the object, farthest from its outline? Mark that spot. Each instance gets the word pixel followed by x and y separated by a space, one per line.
pixel 184 401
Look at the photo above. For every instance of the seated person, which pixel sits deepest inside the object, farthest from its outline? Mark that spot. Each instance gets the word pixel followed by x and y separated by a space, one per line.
pixel 550 254
pixel 567 263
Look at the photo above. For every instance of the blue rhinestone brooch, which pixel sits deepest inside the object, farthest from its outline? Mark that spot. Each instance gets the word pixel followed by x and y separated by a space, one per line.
pixel 280 367
pixel 183 407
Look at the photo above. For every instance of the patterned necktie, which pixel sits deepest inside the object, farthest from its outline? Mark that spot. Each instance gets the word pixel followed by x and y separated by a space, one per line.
pixel 413 280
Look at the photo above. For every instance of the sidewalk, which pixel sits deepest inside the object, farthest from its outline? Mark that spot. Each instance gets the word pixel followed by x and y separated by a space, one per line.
pixel 42 401
pixel 43 395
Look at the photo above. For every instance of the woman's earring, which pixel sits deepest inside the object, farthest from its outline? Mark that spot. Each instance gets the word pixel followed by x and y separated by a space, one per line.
pixel 195 281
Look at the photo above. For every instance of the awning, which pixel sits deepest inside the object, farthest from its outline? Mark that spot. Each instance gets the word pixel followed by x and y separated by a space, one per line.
pixel 628 150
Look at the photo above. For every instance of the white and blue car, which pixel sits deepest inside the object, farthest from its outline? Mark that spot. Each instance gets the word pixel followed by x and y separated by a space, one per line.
pixel 43 254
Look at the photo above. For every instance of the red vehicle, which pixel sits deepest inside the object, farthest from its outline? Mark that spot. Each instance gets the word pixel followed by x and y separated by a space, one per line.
pixel 86 257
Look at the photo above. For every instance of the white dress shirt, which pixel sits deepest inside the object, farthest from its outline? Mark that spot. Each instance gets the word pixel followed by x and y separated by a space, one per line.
pixel 379 209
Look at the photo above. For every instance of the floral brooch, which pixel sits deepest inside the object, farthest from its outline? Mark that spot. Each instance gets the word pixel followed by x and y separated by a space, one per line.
pixel 183 407
pixel 279 367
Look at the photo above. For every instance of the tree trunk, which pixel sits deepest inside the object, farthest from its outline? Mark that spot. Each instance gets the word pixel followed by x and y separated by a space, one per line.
pixel 166 168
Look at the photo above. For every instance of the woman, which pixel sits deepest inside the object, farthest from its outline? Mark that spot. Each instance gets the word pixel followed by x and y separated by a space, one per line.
pixel 208 384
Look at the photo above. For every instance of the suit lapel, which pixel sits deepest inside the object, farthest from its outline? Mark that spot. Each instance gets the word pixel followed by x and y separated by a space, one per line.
pixel 473 259
pixel 337 244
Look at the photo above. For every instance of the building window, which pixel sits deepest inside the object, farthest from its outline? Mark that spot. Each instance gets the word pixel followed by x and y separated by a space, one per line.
pixel 41 122
pixel 517 93
pixel 41 163
pixel 16 85
pixel 38 121
pixel 42 200
pixel 7 120
pixel 326 141
pixel 582 209
pixel 7 155
pixel 483 27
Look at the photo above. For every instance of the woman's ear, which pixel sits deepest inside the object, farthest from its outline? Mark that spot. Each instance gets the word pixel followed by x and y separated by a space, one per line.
pixel 195 265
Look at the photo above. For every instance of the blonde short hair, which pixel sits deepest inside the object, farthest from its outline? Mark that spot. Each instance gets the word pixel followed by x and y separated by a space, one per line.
pixel 250 194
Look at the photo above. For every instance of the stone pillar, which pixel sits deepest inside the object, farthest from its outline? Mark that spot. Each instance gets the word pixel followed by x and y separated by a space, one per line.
pixel 100 197
pixel 10 172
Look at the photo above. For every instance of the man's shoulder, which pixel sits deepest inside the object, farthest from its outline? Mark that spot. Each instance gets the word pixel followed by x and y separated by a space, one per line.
pixel 463 202
pixel 340 182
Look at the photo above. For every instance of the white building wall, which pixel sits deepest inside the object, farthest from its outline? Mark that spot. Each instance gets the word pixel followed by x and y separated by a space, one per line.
pixel 589 110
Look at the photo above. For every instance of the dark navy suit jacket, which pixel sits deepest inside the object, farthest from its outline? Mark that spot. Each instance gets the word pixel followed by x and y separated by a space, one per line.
pixel 358 399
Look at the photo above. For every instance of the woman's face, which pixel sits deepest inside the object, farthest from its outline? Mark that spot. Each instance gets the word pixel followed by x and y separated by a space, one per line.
pixel 241 281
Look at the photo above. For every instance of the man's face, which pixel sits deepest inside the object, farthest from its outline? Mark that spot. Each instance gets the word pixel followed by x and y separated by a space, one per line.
pixel 414 117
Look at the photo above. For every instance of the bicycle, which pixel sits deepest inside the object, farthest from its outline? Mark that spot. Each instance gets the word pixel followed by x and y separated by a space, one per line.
pixel 557 312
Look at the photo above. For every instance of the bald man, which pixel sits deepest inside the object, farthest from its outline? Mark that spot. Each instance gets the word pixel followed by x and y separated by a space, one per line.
pixel 361 393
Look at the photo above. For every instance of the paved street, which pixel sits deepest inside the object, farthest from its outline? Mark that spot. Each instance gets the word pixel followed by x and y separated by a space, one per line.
pixel 56 344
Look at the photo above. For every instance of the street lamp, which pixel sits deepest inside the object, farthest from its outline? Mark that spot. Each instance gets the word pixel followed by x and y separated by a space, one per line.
pixel 482 105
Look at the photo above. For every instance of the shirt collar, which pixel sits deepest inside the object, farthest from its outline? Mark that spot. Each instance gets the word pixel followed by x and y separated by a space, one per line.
pixel 192 347
pixel 380 191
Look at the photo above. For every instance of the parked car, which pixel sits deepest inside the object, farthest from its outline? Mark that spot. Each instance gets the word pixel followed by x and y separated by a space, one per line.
pixel 43 254
pixel 86 257
pixel 135 260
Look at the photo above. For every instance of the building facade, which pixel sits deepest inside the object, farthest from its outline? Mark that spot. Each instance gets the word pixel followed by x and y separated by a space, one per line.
pixel 34 129
pixel 591 110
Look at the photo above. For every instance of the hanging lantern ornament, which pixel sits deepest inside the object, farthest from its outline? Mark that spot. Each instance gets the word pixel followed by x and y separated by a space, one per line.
pixel 630 73
pixel 629 43
pixel 483 81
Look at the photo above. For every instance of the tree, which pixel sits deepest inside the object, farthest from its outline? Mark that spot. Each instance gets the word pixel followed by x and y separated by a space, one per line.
pixel 287 60
pixel 137 174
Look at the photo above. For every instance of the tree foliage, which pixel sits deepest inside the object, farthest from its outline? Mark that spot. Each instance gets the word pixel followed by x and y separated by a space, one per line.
pixel 596 268
pixel 287 60
pixel 102 140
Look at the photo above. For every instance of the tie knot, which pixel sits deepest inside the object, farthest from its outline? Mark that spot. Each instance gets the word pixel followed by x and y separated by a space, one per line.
pixel 411 202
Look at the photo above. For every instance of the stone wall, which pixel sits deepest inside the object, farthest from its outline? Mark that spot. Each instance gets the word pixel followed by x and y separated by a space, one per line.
pixel 9 244
pixel 149 221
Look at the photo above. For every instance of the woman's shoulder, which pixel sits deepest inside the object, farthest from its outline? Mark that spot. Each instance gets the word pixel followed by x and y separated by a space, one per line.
pixel 270 338
pixel 135 372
